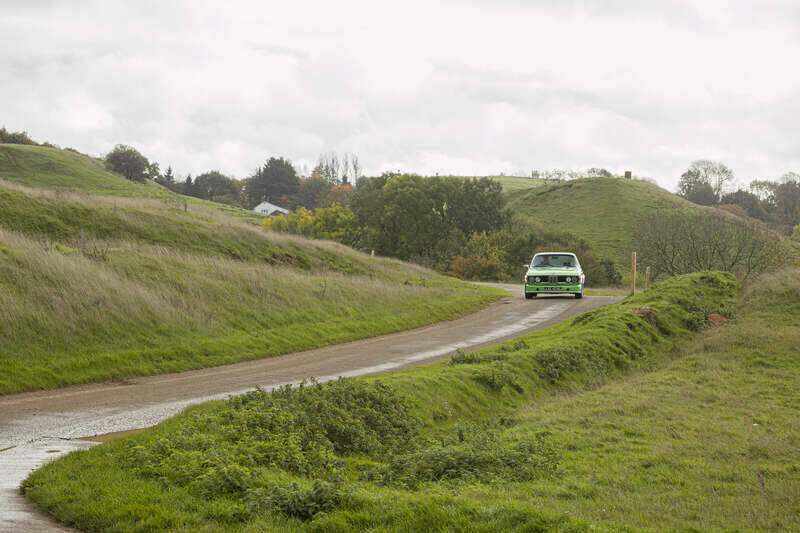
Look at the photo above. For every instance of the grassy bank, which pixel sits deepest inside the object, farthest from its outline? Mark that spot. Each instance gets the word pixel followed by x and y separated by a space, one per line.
pixel 109 310
pixel 608 422
pixel 101 287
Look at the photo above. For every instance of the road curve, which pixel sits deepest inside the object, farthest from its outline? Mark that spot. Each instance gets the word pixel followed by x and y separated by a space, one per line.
pixel 40 426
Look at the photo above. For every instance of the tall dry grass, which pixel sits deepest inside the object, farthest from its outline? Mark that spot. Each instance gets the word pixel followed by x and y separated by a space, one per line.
pixel 95 309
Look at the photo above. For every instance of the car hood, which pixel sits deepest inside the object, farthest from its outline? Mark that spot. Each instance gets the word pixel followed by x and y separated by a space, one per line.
pixel 572 271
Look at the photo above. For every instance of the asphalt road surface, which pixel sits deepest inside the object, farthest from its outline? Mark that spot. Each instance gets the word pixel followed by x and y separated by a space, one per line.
pixel 40 426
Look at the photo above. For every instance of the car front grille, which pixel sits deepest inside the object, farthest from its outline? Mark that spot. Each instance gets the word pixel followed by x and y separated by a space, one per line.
pixel 552 279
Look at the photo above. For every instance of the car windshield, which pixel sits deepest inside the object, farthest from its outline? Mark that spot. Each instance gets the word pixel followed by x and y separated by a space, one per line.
pixel 553 260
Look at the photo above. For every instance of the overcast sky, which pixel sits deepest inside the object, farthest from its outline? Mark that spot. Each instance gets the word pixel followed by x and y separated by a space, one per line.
pixel 464 87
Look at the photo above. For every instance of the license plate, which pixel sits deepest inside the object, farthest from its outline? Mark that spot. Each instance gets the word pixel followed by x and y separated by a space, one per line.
pixel 549 288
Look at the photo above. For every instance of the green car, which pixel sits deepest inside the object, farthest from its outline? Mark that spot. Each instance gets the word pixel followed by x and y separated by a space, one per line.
pixel 554 273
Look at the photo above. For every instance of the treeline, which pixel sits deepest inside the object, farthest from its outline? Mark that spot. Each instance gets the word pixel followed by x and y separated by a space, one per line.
pixel 774 202
pixel 15 137
pixel 276 181
pixel 454 225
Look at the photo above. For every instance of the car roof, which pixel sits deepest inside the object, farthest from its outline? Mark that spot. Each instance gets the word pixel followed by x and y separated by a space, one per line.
pixel 555 253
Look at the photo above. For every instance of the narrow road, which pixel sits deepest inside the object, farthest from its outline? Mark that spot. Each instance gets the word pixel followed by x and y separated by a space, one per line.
pixel 40 426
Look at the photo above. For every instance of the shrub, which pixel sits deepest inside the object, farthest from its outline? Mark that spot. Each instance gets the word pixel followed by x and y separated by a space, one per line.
pixel 295 501
pixel 473 453
pixel 496 376
pixel 296 429
pixel 477 267
pixel 461 358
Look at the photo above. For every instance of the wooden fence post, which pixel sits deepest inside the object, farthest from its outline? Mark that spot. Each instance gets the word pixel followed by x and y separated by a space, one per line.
pixel 633 273
pixel 647 278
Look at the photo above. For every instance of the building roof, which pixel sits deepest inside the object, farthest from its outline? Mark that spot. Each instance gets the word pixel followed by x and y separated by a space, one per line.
pixel 270 209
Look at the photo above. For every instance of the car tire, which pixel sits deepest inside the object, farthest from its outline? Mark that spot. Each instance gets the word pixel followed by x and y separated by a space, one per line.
pixel 579 295
pixel 530 295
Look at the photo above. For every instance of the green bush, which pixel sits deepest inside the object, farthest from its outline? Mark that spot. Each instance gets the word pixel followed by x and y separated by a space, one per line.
pixel 473 453
pixel 496 376
pixel 295 501
pixel 461 358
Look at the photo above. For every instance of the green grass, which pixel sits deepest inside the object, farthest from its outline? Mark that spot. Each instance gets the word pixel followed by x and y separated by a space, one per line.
pixel 624 426
pixel 59 170
pixel 108 310
pixel 511 184
pixel 514 184
pixel 96 287
pixel 604 211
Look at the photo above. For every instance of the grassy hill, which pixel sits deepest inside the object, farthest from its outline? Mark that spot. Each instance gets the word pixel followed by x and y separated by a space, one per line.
pixel 604 211
pixel 55 169
pixel 103 278
pixel 65 170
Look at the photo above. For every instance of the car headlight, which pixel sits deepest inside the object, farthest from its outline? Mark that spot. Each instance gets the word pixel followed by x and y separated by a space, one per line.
pixel 569 279
pixel 537 279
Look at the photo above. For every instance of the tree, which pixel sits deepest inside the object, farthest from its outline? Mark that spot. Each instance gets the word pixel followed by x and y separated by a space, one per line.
pixel 346 171
pixel 410 217
pixel 330 167
pixel 595 172
pixel 407 216
pixel 751 203
pixel 339 171
pixel 18 137
pixel 338 194
pixel 681 242
pixel 312 191
pixel 153 171
pixel 702 194
pixel 216 187
pixel 355 165
pixel 786 202
pixel 705 181
pixel 275 182
pixel 127 161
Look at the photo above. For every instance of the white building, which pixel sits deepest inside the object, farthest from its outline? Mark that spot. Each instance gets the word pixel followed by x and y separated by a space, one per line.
pixel 269 209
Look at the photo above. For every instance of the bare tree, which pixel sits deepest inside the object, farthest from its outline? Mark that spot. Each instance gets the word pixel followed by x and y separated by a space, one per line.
pixel 345 177
pixel 790 177
pixel 330 167
pixel 675 243
pixel 356 167
pixel 705 179
pixel 339 171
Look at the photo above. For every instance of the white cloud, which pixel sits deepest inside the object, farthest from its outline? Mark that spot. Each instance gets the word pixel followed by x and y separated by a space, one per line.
pixel 451 87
